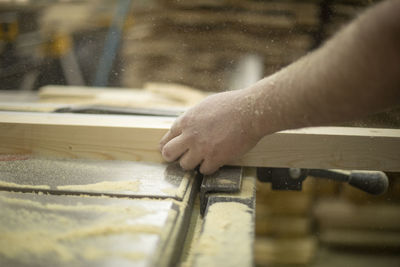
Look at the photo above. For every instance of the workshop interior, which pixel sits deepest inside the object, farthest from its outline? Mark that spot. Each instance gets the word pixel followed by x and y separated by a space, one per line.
pixel 87 87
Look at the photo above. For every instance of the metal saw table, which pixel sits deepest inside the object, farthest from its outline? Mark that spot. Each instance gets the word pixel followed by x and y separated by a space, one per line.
pixel 63 212
pixel 56 211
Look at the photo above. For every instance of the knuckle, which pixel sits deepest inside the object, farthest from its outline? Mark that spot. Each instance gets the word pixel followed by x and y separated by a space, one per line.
pixel 174 128
pixel 185 119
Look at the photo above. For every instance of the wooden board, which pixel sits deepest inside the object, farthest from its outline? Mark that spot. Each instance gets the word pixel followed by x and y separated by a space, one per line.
pixel 136 98
pixel 275 251
pixel 339 214
pixel 137 138
pixel 360 239
pixel 328 148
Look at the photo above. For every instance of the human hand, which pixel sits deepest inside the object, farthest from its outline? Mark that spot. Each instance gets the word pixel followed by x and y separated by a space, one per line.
pixel 217 130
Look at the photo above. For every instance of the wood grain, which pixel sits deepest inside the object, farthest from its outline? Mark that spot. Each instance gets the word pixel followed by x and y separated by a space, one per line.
pixel 137 138
pixel 328 148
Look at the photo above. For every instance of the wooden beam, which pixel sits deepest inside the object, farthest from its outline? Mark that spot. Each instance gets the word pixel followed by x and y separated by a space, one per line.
pixel 137 137
pixel 82 136
pixel 328 148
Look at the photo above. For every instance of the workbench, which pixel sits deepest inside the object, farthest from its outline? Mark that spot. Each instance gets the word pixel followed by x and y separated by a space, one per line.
pixel 92 189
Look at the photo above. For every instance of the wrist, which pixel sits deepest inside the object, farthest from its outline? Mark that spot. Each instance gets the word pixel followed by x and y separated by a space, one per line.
pixel 268 112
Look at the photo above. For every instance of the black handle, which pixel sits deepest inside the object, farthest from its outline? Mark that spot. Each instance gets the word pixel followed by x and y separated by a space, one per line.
pixel 373 182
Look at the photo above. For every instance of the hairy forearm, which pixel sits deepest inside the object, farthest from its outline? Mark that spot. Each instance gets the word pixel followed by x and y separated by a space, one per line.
pixel 355 73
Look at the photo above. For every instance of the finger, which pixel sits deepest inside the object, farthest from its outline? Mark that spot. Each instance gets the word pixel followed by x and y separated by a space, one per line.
pixel 190 160
pixel 174 149
pixel 209 167
pixel 172 133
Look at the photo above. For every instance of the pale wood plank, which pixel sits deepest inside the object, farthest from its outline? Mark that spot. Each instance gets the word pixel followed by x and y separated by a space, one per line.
pixel 328 148
pixel 137 138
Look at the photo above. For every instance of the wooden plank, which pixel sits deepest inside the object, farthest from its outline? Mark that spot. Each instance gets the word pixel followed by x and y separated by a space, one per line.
pixel 328 148
pixel 153 95
pixel 339 214
pixel 82 136
pixel 137 138
pixel 274 251
pixel 360 239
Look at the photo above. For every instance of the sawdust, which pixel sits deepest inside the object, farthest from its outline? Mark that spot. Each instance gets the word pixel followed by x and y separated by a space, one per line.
pixel 26 186
pixel 227 229
pixel 110 176
pixel 225 181
pixel 132 211
pixel 117 186
pixel 182 186
pixel 180 191
pixel 169 191
pixel 192 236
pixel 31 230
pixel 30 245
pixel 107 229
pixel 224 235
pixel 93 254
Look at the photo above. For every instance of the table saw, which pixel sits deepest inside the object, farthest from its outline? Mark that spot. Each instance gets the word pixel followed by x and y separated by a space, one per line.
pixel 62 210
pixel 91 189
pixel 102 213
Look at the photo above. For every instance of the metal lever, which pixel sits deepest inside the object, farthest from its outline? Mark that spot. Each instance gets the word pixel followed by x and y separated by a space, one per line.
pixel 372 182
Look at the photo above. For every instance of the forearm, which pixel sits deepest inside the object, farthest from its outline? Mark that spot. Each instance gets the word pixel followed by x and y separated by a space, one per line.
pixel 357 72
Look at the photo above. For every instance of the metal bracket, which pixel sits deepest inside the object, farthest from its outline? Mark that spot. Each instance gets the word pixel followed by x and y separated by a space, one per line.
pixel 226 180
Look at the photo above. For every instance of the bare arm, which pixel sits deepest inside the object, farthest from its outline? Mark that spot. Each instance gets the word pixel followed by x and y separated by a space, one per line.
pixel 355 73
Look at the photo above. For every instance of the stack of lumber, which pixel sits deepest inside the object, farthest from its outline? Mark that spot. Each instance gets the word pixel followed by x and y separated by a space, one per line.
pixel 340 12
pixel 152 95
pixel 353 218
pixel 199 43
pixel 350 218
pixel 284 226
pixel 297 227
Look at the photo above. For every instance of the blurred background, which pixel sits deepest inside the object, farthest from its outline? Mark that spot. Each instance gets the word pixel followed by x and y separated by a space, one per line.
pixel 202 44
pixel 209 46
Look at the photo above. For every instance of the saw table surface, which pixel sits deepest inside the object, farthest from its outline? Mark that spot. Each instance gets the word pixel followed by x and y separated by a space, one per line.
pixel 57 212
pixel 96 177
pixel 48 230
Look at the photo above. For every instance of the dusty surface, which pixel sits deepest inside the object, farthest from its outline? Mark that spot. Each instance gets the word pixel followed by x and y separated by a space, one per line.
pixel 119 186
pixel 15 185
pixel 192 236
pixel 224 235
pixel 99 176
pixel 83 231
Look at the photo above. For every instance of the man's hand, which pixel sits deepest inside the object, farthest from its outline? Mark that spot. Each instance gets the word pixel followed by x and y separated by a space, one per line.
pixel 212 133
pixel 353 74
